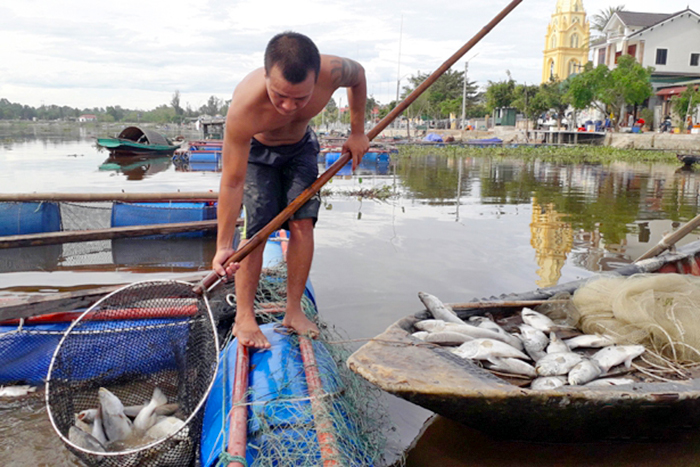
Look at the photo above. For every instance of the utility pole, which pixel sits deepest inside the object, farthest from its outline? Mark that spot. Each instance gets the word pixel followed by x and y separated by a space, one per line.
pixel 464 92
pixel 398 69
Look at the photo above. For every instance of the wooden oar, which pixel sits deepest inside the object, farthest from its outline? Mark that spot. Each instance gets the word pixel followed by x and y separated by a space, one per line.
pixel 669 240
pixel 260 237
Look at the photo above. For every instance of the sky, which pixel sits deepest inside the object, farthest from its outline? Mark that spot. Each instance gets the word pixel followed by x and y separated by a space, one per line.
pixel 136 54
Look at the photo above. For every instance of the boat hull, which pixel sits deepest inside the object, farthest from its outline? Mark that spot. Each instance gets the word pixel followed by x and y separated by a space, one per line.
pixel 459 389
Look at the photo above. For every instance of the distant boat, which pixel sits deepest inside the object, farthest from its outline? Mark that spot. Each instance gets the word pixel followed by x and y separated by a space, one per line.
pixel 138 141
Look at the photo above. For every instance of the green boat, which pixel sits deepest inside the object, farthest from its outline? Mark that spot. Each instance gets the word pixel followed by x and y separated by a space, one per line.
pixel 138 141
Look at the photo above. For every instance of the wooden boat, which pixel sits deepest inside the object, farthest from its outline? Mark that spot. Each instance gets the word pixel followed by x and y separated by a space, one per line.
pixel 438 380
pixel 134 141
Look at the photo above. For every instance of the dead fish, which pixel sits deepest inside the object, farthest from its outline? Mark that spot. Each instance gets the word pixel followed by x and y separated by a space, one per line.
pixel 86 427
pixel 430 325
pixel 556 344
pixel 421 335
pixel 534 341
pixel 447 338
pixel 84 440
pixel 557 364
pixel 488 349
pixel 610 382
pixel 511 365
pixel 585 371
pixel 483 333
pixel 438 309
pixel 165 409
pixel 165 427
pixel 591 341
pixel 88 415
pixel 613 355
pixel 98 428
pixel 117 426
pixel 485 323
pixel 537 320
pixel 147 417
pixel 16 391
pixel 544 383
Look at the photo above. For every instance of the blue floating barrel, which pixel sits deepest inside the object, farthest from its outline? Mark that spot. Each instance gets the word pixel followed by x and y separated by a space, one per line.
pixel 205 156
pixel 127 214
pixel 29 218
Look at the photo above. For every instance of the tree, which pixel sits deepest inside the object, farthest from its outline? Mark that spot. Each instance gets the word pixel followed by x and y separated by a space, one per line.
pixel 554 95
pixel 600 19
pixel 175 103
pixel 530 100
pixel 684 103
pixel 500 93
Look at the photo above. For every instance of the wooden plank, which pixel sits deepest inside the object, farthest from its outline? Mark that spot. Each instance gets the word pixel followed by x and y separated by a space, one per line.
pixel 72 236
pixel 130 197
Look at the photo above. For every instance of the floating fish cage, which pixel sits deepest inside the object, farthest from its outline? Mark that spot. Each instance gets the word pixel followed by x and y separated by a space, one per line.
pixel 29 218
pixel 128 214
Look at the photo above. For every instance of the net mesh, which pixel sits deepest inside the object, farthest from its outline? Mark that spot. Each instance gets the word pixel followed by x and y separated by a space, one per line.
pixel 146 335
pixel 282 421
pixel 655 310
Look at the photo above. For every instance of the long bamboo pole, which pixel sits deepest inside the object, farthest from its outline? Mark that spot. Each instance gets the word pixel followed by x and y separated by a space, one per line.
pixel 238 425
pixel 669 240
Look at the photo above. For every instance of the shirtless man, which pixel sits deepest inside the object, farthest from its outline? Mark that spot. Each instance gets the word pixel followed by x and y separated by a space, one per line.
pixel 270 150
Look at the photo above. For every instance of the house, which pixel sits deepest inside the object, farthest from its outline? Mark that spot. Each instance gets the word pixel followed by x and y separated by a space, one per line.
pixel 668 42
pixel 87 118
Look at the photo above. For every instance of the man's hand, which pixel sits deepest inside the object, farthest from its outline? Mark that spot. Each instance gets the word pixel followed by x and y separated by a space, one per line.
pixel 357 145
pixel 220 258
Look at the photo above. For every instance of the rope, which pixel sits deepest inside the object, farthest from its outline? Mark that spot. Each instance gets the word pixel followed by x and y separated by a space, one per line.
pixel 225 459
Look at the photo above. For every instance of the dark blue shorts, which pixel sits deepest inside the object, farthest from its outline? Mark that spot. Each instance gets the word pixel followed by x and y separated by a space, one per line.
pixel 276 175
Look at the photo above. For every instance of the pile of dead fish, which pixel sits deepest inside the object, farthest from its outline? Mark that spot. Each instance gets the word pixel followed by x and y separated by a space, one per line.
pixel 534 351
pixel 113 427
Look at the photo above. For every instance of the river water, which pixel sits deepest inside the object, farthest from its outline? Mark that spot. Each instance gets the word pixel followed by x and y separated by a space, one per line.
pixel 458 228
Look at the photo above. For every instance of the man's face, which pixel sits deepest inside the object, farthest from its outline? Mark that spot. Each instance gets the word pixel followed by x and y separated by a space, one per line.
pixel 288 98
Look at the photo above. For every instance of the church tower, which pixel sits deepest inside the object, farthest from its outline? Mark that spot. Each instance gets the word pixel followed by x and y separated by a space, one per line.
pixel 566 41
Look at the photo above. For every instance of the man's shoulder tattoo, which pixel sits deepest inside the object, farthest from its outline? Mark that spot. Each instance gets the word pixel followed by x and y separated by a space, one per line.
pixel 344 71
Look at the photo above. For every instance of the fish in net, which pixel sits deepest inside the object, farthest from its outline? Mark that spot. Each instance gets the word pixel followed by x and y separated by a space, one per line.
pixel 153 334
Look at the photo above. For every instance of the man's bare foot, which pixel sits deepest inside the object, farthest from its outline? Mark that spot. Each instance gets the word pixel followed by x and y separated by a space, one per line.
pixel 249 334
pixel 301 324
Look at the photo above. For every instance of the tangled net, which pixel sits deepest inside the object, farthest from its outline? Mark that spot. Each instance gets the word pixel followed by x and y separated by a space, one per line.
pixel 659 311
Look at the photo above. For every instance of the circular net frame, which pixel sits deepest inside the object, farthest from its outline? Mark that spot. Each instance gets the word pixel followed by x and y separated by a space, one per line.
pixel 146 335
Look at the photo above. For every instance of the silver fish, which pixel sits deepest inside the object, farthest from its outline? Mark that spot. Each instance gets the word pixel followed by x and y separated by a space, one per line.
pixel 430 325
pixel 438 309
pixel 165 409
pixel 147 417
pixel 511 365
pixel 544 383
pixel 447 338
pixel 506 337
pixel 534 341
pixel 488 349
pixel 556 344
pixel 16 391
pixel 420 335
pixel 117 426
pixel 165 427
pixel 613 355
pixel 84 440
pixel 592 341
pixel 557 364
pixel 483 333
pixel 537 320
pixel 88 415
pixel 585 371
pixel 610 382
pixel 86 427
pixel 98 431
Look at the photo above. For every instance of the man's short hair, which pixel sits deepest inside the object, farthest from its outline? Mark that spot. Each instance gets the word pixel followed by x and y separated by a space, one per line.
pixel 295 54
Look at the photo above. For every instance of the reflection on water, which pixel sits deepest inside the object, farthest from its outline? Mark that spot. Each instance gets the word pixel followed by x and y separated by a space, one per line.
pixel 458 228
pixel 136 167
pixel 445 443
